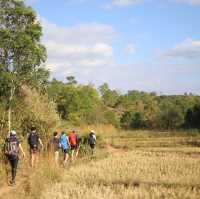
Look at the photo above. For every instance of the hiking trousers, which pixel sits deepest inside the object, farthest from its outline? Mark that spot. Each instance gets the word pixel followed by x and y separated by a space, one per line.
pixel 13 163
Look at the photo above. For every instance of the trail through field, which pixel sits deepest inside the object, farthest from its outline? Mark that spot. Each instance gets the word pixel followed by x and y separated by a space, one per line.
pixel 6 188
pixel 23 173
pixel 115 152
pixel 111 149
pixel 21 179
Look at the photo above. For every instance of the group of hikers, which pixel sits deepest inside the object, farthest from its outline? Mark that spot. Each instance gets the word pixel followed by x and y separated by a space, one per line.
pixel 68 145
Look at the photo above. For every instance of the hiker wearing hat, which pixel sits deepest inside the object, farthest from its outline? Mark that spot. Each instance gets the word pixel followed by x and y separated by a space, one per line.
pixel 12 147
pixel 92 140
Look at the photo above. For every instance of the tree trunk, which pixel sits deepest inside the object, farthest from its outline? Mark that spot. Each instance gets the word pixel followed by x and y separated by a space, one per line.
pixel 9 119
pixel 12 91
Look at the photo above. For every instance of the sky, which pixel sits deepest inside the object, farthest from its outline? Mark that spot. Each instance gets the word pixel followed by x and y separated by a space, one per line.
pixel 147 45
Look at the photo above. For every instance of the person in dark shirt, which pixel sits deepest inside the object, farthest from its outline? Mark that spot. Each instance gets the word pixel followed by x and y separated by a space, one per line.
pixel 34 141
pixel 55 146
pixel 12 147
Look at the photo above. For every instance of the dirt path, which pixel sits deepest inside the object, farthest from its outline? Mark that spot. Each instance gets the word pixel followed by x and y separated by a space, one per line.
pixel 21 177
pixel 23 170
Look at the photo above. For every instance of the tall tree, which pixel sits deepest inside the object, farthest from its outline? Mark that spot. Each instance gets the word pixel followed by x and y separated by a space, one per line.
pixel 71 80
pixel 21 52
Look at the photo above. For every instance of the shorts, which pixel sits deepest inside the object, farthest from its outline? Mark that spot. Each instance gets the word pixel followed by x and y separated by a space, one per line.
pixel 33 150
pixel 65 150
pixel 74 147
pixel 92 146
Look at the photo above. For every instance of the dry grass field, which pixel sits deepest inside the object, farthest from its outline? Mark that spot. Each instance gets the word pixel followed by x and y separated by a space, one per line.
pixel 132 165
pixel 136 174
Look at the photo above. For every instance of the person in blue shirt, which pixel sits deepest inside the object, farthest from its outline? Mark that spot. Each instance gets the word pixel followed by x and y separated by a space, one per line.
pixel 65 146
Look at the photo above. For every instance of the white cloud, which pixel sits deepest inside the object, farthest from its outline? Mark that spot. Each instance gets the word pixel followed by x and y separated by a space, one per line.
pixel 188 49
pixel 130 48
pixel 78 49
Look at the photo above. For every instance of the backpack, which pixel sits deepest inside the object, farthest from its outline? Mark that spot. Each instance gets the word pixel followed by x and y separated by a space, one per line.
pixel 55 143
pixel 12 147
pixel 92 138
pixel 33 140
pixel 72 139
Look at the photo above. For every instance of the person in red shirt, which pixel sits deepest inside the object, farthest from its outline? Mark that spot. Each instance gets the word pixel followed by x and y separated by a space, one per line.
pixel 73 140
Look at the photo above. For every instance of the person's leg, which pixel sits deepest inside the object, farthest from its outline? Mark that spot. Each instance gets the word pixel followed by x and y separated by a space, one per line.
pixel 13 163
pixel 14 169
pixel 32 158
pixel 77 152
pixel 56 156
pixel 92 148
pixel 36 154
pixel 72 154
pixel 66 157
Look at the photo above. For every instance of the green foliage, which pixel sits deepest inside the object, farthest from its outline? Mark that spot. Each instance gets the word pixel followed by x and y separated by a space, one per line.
pixel 192 118
pixel 21 52
pixel 76 104
pixel 126 120
pixel 110 97
pixel 111 118
pixel 71 80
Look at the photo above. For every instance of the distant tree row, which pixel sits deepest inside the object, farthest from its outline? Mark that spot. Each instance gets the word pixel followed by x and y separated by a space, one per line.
pixel 134 110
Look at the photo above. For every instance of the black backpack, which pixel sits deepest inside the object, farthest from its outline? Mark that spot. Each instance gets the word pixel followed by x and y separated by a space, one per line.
pixel 12 147
pixel 33 140
pixel 91 138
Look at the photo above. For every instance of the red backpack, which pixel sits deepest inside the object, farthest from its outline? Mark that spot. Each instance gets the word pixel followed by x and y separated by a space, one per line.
pixel 72 139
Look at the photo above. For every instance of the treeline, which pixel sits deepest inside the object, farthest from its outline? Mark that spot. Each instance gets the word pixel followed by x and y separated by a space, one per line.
pixel 133 110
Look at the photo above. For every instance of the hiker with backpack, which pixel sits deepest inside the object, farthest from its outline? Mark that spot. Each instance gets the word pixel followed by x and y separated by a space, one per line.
pixel 92 140
pixel 34 141
pixel 65 146
pixel 54 146
pixel 73 140
pixel 12 147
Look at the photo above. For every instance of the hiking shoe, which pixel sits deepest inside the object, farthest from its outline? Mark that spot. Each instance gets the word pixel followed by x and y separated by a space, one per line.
pixel 12 183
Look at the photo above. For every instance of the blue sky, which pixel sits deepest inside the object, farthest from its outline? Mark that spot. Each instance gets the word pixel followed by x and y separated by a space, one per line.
pixel 149 45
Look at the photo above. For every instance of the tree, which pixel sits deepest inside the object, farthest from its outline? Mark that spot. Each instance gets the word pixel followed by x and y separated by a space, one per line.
pixel 138 120
pixel 21 52
pixel 71 80
pixel 110 97
pixel 192 118
pixel 126 120
pixel 170 116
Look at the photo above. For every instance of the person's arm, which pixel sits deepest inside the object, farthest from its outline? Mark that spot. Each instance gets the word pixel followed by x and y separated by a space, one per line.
pixel 68 142
pixel 21 149
pixel 40 141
